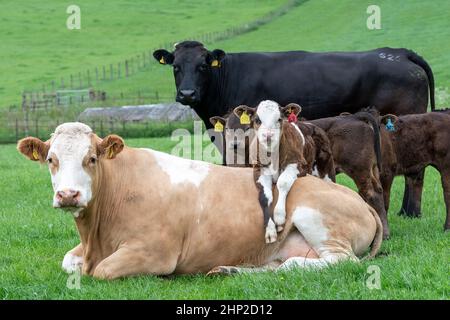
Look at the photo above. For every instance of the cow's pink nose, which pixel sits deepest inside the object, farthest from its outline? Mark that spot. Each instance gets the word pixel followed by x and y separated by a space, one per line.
pixel 67 198
pixel 268 134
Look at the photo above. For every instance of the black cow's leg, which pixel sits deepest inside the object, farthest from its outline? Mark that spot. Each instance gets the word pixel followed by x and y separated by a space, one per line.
pixel 412 198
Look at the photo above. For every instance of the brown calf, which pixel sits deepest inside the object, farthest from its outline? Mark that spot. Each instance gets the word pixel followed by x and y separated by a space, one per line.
pixel 355 145
pixel 413 143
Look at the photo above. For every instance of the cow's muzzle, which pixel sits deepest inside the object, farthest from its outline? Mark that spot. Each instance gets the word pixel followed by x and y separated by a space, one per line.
pixel 187 97
pixel 67 198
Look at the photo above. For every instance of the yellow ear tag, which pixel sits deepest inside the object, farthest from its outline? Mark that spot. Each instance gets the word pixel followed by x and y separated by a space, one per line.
pixel 35 154
pixel 215 63
pixel 245 118
pixel 218 127
pixel 110 152
pixel 162 61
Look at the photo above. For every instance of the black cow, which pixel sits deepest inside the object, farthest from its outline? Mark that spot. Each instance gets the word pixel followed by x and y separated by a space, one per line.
pixel 396 81
pixel 325 84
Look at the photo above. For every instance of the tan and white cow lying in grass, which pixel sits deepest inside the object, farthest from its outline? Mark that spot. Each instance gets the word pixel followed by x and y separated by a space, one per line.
pixel 140 211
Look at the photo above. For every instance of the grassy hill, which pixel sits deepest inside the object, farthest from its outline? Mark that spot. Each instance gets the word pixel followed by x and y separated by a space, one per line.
pixel 36 47
pixel 329 25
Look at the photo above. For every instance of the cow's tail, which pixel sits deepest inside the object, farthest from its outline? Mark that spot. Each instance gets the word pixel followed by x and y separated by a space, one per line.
pixel 367 117
pixel 414 57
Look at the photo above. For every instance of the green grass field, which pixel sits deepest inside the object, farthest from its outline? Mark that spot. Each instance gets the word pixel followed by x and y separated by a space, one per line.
pixel 34 237
pixel 36 48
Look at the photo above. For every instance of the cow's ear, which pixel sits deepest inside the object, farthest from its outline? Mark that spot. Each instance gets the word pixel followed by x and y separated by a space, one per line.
pixel 389 117
pixel 238 111
pixel 163 56
pixel 390 122
pixel 218 123
pixel 216 119
pixel 34 148
pixel 291 108
pixel 215 57
pixel 110 146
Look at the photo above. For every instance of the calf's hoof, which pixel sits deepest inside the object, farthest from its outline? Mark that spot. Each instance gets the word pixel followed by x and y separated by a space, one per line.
pixel 410 214
pixel 271 232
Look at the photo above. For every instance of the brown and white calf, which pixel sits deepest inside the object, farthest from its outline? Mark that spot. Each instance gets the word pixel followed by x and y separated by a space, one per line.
pixel 413 143
pixel 277 156
pixel 236 137
pixel 140 211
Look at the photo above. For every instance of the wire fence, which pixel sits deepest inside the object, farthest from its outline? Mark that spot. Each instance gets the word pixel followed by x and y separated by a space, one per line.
pixel 93 77
pixel 14 130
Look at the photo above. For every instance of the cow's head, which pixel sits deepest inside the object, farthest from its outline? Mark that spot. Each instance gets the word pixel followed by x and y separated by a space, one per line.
pixel 267 120
pixel 237 136
pixel 73 155
pixel 192 66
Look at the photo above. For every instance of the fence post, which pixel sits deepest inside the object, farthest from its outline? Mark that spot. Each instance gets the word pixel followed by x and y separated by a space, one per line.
pixel 96 75
pixel 111 71
pixel 17 129
pixel 71 81
pixel 126 68
pixel 104 73
pixel 36 128
pixel 118 70
pixel 111 126
pixel 53 85
pixel 24 101
pixel 62 83
pixel 89 78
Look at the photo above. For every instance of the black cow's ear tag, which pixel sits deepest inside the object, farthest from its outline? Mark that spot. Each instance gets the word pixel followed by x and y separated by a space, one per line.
pixel 215 63
pixel 162 61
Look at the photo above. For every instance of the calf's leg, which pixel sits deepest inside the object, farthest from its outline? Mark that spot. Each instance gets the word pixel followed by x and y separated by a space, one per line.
pixel 264 183
pixel 412 198
pixel 445 178
pixel 284 184
pixel 370 189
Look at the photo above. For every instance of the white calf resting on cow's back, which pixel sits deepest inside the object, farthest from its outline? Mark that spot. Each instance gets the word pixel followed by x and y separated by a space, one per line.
pixel 276 153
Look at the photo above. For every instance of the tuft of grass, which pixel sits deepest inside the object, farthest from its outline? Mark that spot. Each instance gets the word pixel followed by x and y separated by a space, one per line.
pixel 35 237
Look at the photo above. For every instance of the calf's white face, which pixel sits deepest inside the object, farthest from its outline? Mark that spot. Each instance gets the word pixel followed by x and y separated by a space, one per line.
pixel 72 155
pixel 267 124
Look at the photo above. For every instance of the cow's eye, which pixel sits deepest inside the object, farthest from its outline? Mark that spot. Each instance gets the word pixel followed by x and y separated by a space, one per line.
pixel 49 160
pixel 258 121
pixel 176 68
pixel 92 160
